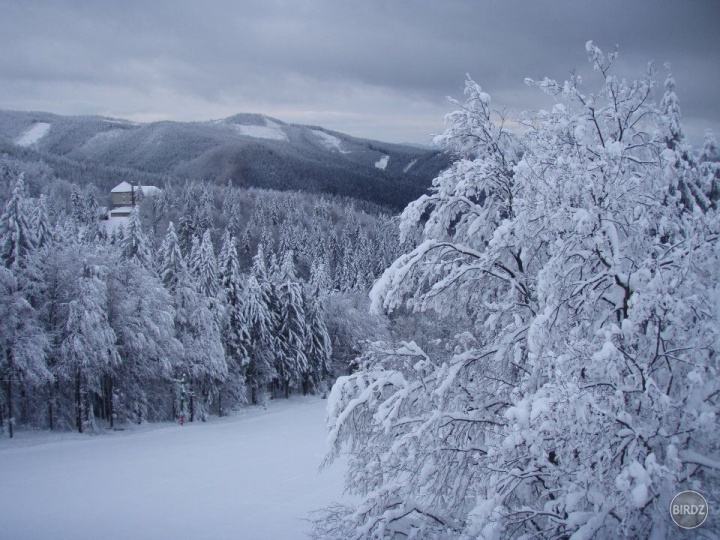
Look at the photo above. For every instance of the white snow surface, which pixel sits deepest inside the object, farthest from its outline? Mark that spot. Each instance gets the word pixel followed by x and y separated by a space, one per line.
pixel 33 134
pixel 252 475
pixel 270 130
pixel 382 162
pixel 113 222
pixel 329 141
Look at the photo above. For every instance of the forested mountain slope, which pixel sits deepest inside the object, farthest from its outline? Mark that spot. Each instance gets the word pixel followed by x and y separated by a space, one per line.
pixel 248 150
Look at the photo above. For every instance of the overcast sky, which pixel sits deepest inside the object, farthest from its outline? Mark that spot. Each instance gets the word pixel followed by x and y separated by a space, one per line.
pixel 370 68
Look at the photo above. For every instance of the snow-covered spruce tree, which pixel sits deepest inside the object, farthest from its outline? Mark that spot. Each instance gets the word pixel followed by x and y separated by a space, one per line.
pixel 261 323
pixel 318 346
pixel 234 329
pixel 16 233
pixel 206 268
pixel 135 244
pixel 291 363
pixel 582 392
pixel 172 263
pixel 40 223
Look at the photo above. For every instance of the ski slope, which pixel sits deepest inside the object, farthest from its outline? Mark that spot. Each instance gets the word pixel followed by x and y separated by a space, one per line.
pixel 251 476
pixel 33 134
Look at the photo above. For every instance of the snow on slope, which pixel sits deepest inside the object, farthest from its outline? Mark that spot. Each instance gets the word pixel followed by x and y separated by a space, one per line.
pixel 382 162
pixel 254 475
pixel 33 134
pixel 270 130
pixel 329 141
pixel 409 165
pixel 102 139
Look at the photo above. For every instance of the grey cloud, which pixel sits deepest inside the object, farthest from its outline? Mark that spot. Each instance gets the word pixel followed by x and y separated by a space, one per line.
pixel 390 62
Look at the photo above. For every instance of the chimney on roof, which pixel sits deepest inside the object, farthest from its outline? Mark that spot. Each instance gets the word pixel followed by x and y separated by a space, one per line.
pixel 132 194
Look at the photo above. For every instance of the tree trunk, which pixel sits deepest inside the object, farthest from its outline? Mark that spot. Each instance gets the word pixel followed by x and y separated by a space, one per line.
pixel 192 405
pixel 287 389
pixel 11 420
pixel 88 406
pixel 50 412
pixel 78 403
pixel 305 385
pixel 109 401
pixel 220 412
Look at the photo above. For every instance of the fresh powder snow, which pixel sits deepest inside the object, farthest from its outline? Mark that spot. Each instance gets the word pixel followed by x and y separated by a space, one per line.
pixel 33 134
pixel 251 475
pixel 382 162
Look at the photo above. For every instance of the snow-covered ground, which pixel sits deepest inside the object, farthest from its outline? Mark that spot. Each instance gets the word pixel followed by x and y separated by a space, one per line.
pixel 114 222
pixel 253 475
pixel 33 134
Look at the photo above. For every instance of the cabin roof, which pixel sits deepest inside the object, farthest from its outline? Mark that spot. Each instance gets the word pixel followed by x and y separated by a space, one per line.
pixel 125 187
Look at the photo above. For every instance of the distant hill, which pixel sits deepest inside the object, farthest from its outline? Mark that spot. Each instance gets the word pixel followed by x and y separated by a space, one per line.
pixel 245 149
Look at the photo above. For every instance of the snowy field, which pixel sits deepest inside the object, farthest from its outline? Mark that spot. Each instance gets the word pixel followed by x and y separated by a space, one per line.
pixel 250 476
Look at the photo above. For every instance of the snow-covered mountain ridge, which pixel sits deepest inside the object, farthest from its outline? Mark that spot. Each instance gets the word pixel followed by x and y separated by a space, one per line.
pixel 245 149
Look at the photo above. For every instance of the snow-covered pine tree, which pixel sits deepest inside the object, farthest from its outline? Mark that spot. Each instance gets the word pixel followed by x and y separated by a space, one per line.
pixel 17 239
pixel 193 258
pixel 245 240
pixel 710 169
pixel 227 261
pixel 172 263
pixel 320 284
pixel 582 391
pixel 187 231
pixel 135 244
pixel 318 346
pixel 685 179
pixel 234 330
pixel 77 205
pixel 207 268
pixel 261 323
pixel 710 151
pixel 40 222
pixel 205 210
pixel 292 363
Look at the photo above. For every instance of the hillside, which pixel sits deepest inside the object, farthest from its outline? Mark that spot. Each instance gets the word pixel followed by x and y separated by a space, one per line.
pixel 245 149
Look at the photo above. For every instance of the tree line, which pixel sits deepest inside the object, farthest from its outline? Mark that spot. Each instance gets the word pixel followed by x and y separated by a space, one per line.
pixel 146 321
